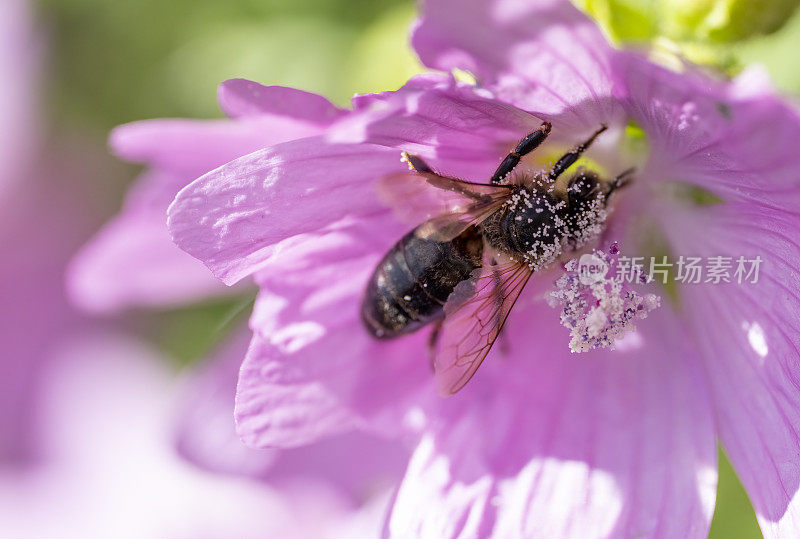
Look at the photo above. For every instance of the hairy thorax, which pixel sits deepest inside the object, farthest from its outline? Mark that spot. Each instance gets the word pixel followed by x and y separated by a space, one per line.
pixel 537 225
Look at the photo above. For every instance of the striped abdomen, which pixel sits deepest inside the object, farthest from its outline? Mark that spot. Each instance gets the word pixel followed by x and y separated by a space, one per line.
pixel 411 284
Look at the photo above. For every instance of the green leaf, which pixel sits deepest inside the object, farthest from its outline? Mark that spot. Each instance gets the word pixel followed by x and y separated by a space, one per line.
pixel 733 515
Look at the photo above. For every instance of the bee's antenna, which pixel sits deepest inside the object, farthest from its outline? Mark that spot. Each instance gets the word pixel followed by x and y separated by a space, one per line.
pixel 569 158
pixel 621 180
pixel 415 163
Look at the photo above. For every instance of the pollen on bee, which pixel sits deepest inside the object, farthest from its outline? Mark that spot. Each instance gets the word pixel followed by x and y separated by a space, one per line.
pixel 596 308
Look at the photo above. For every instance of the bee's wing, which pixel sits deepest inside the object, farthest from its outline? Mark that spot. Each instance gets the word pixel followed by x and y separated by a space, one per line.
pixel 447 226
pixel 474 315
pixel 418 196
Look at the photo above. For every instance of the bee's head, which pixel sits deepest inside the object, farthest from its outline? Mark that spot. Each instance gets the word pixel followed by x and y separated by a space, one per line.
pixel 583 187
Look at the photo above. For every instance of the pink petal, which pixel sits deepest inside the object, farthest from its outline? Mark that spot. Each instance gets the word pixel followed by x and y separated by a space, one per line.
pixel 545 56
pixel 193 147
pixel 132 261
pixel 242 98
pixel 356 464
pixel 747 334
pixel 545 444
pixel 274 411
pixel 464 131
pixel 312 369
pixel 718 136
pixel 235 218
pixel 684 115
pixel 205 433
pixel 748 337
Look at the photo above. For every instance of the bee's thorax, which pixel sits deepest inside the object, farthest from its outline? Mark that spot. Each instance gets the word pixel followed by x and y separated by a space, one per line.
pixel 537 225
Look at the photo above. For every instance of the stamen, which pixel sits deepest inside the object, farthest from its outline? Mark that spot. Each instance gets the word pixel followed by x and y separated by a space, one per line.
pixel 596 308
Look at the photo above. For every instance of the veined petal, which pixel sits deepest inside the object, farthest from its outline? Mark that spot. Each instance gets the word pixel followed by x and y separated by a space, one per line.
pixel 736 143
pixel 242 98
pixel 718 136
pixel 463 131
pixel 748 338
pixel 544 444
pixel 362 463
pixel 190 148
pixel 205 433
pixel 272 411
pixel 234 218
pixel 312 369
pixel 132 261
pixel 545 57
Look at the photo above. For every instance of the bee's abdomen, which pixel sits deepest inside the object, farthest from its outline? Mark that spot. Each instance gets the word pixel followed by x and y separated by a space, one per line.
pixel 410 286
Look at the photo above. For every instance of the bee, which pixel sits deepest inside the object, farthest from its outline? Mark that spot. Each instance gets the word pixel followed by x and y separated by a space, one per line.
pixel 463 270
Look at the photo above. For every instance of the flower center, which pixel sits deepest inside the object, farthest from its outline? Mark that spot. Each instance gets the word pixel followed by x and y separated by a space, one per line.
pixel 596 308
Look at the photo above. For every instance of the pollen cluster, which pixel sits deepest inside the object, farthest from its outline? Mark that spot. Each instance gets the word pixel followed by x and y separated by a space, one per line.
pixel 595 308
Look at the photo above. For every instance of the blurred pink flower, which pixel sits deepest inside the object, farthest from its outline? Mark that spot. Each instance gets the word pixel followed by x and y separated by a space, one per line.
pixel 132 262
pixel 618 443
pixel 109 469
pixel 38 189
pixel 20 59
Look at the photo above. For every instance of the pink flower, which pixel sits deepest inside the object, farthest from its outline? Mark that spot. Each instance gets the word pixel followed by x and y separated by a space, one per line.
pixel 38 232
pixel 19 71
pixel 132 262
pixel 539 443
pixel 108 467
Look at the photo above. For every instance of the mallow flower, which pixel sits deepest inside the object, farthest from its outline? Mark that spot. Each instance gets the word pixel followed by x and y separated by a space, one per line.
pixel 131 263
pixel 19 70
pixel 38 232
pixel 541 442
pixel 97 476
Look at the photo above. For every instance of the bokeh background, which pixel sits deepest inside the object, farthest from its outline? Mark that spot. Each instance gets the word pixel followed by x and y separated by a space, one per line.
pixel 95 64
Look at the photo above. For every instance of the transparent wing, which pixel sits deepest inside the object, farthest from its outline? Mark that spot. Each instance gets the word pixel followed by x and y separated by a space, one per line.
pixel 448 226
pixel 413 199
pixel 474 315
pixel 421 194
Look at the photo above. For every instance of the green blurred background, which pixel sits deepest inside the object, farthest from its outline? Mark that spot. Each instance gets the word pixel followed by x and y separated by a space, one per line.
pixel 120 61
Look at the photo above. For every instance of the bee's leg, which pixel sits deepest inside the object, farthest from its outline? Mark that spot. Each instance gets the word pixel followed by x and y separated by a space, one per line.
pixel 569 158
pixel 440 181
pixel 433 339
pixel 530 142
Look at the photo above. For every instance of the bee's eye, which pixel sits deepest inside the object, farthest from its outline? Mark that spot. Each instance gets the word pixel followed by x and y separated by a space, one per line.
pixel 581 187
